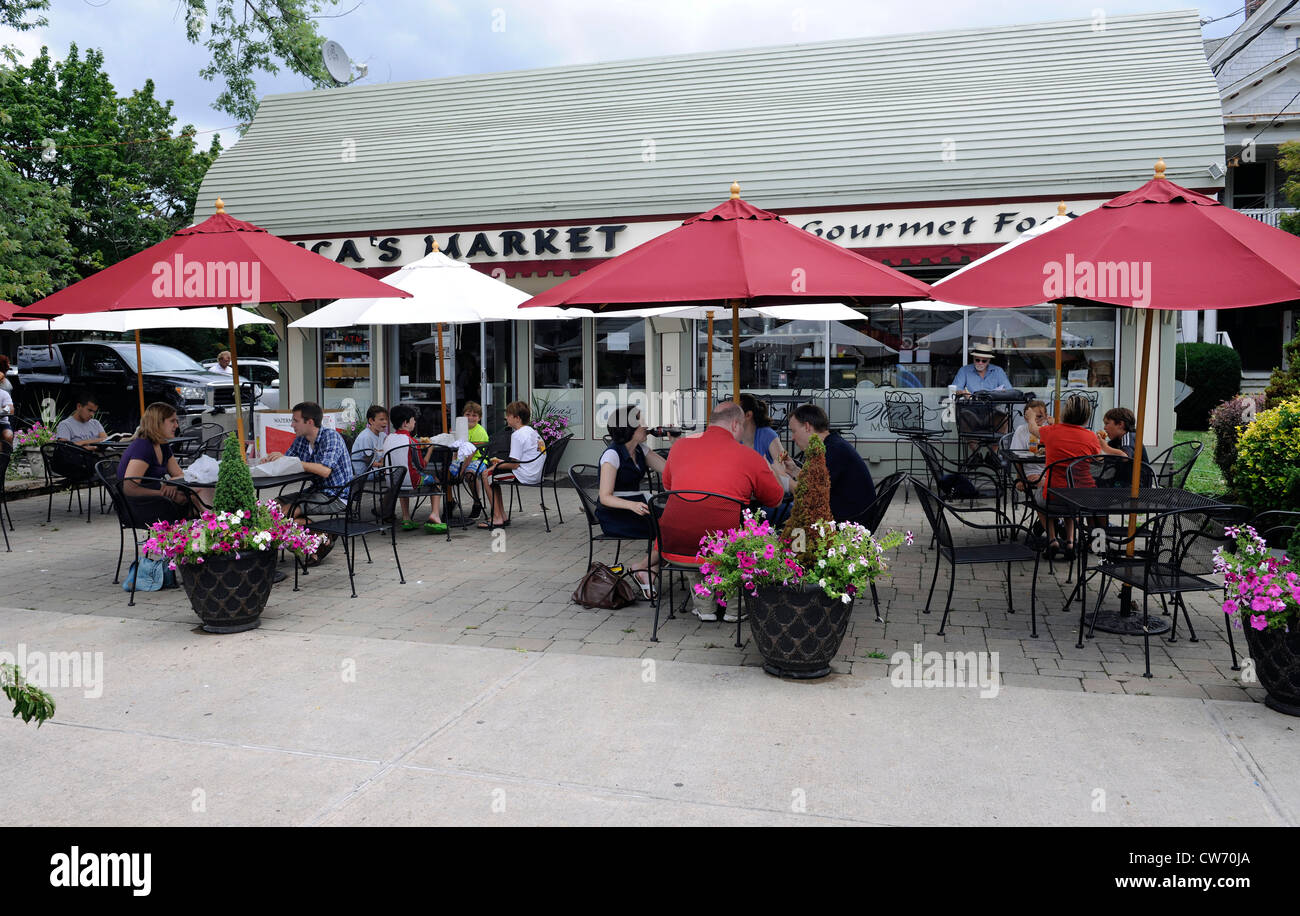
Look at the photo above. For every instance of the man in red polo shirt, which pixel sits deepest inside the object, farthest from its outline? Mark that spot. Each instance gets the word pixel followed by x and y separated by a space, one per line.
pixel 716 462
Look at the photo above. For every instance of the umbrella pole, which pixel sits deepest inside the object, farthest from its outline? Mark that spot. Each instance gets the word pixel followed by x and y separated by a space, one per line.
pixel 1057 411
pixel 708 357
pixel 139 375
pixel 442 379
pixel 1135 482
pixel 234 370
pixel 735 350
pixel 482 368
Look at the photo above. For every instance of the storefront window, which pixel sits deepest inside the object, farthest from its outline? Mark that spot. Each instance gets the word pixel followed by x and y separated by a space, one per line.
pixel 921 349
pixel 620 369
pixel 418 369
pixel 346 359
pixel 557 370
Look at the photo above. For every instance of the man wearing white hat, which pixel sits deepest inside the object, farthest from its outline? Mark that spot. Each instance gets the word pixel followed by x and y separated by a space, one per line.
pixel 981 375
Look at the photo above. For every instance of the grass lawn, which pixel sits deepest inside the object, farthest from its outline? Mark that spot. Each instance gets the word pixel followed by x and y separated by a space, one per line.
pixel 1205 476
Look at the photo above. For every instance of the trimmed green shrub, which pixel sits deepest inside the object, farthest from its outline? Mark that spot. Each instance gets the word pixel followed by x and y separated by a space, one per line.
pixel 1226 421
pixel 234 481
pixel 1285 383
pixel 1267 472
pixel 1214 373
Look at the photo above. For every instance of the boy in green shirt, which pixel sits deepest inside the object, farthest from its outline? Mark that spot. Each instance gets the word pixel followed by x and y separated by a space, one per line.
pixel 473 466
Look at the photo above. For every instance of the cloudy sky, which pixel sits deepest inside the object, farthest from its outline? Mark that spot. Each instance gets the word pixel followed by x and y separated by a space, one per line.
pixel 420 39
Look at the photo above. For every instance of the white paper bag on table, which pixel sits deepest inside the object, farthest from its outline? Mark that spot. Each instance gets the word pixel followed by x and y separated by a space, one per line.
pixel 203 471
pixel 277 467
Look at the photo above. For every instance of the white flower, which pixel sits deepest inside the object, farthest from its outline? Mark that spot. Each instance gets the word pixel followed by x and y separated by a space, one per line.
pixel 846 598
pixel 821 563
pixel 821 583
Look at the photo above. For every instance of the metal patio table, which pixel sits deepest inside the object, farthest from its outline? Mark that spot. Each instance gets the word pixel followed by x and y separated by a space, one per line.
pixel 1091 502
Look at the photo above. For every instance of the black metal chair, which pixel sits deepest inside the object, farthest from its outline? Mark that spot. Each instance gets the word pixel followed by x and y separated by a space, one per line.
pixel 1006 551
pixel 438 468
pixel 691 407
pixel 71 466
pixel 585 479
pixel 213 445
pixel 680 563
pixel 550 467
pixel 4 503
pixel 955 482
pixel 189 442
pixel 128 519
pixel 1174 465
pixel 841 405
pixel 908 419
pixel 371 509
pixel 871 517
pixel 1174 554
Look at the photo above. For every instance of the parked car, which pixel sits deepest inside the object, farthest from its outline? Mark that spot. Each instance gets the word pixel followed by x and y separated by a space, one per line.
pixel 262 372
pixel 107 369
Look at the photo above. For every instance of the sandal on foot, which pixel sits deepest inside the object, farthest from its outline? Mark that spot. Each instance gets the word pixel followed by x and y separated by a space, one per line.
pixel 432 527
pixel 647 588
pixel 489 526
pixel 409 524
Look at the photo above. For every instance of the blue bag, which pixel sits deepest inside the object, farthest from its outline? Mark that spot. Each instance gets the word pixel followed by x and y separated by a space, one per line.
pixel 154 575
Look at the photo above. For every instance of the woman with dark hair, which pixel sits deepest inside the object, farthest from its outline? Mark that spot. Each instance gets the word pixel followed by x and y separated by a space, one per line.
pixel 623 511
pixel 759 435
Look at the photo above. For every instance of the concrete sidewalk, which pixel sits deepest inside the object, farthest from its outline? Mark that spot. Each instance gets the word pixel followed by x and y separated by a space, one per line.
pixel 283 728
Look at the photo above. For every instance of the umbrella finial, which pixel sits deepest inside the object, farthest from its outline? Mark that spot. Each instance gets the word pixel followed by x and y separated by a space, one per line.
pixel 1160 168
pixel 735 190
pixel 221 205
pixel 433 245
pixel 1060 209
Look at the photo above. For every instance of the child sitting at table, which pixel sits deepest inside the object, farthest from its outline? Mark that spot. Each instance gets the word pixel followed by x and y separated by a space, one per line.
pixel 401 449
pixel 1022 440
pixel 1118 442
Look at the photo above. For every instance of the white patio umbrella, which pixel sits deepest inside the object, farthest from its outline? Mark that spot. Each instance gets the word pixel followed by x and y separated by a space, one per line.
pixel 138 320
pixel 443 291
pixel 1060 219
pixel 806 311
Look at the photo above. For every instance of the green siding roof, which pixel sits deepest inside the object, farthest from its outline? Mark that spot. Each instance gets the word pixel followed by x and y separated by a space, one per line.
pixel 1048 108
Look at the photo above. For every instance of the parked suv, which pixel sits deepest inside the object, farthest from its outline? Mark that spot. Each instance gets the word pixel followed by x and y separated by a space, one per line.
pixel 107 370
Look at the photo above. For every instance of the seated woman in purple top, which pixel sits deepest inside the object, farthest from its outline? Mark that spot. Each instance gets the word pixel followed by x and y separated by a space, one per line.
pixel 149 456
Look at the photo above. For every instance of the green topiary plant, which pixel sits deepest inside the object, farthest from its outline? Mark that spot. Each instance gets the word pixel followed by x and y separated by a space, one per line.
pixel 812 501
pixel 1267 472
pixel 1214 373
pixel 1285 383
pixel 234 481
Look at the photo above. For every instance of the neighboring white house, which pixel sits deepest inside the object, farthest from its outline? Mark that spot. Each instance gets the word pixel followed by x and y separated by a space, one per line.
pixel 1257 68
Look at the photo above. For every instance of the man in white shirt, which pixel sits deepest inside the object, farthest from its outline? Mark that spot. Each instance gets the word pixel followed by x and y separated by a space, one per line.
pixel 223 363
pixel 6 411
pixel 525 463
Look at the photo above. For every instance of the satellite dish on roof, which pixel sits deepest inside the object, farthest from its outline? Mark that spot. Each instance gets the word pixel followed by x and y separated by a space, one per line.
pixel 337 62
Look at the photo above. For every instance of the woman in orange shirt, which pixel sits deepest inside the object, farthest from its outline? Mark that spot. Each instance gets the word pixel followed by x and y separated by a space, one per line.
pixel 1071 438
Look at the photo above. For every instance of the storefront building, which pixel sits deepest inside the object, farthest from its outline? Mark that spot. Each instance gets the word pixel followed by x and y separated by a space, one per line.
pixel 922 151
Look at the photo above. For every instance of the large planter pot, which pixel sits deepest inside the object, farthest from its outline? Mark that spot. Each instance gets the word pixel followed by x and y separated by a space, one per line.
pixel 797 630
pixel 229 594
pixel 26 464
pixel 1276 654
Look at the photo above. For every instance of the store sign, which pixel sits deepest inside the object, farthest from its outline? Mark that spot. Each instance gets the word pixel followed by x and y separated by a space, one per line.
pixel 913 226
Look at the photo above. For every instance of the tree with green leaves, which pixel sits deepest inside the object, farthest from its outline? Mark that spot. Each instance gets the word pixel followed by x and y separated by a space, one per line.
pixel 36 257
pixel 21 16
pixel 244 37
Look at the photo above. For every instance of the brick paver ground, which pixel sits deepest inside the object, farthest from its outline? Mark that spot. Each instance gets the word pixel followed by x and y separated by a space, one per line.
pixel 511 588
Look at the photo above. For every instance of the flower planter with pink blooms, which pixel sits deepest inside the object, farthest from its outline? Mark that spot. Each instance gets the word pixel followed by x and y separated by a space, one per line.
pixel 226 560
pixel 797 588
pixel 1263 599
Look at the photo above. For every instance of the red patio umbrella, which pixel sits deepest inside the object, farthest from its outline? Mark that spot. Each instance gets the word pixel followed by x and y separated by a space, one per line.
pixel 7 309
pixel 1158 247
pixel 736 254
pixel 220 261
